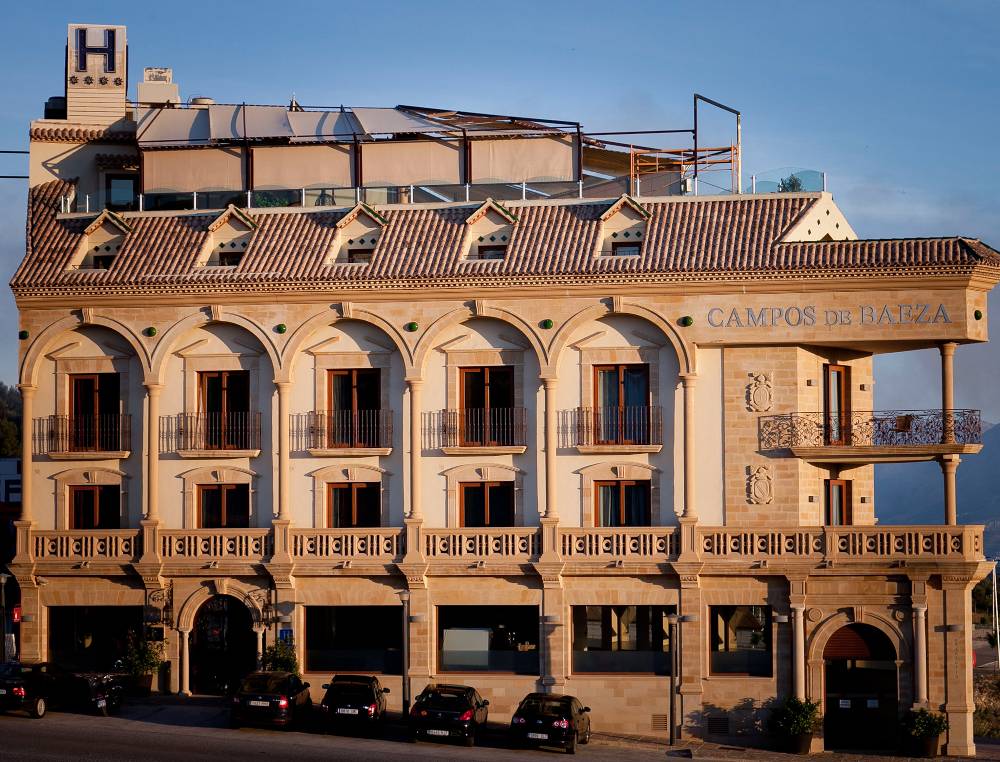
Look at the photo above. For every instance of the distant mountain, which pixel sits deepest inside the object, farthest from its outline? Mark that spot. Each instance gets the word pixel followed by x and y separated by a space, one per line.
pixel 913 493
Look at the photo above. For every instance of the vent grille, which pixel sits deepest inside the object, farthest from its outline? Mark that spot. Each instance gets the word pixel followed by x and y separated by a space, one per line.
pixel 660 723
pixel 717 725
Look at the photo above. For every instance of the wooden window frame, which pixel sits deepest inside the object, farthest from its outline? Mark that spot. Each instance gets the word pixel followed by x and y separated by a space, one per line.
pixel 224 490
pixel 463 486
pixel 488 439
pixel 844 417
pixel 95 490
pixel 621 484
pixel 331 427
pixel 354 488
pixel 844 485
pixel 96 435
pixel 616 245
pixel 621 424
pixel 225 442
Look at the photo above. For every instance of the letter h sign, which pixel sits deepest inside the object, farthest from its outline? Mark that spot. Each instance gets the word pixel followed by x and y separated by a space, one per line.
pixel 107 50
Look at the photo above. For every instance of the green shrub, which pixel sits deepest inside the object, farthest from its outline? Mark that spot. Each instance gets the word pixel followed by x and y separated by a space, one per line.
pixel 280 657
pixel 925 724
pixel 794 718
pixel 143 657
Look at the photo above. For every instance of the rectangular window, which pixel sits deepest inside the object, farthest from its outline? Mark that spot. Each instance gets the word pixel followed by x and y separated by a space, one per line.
pixel 740 640
pixel 120 192
pixel 838 503
pixel 95 507
pixel 230 258
pixel 488 639
pixel 622 413
pixel 492 252
pixel 622 503
pixel 359 256
pixel 487 415
pixel 354 505
pixel 102 261
pixel 837 404
pixel 621 639
pixel 225 506
pixel 354 402
pixel 225 407
pixel 486 504
pixel 95 423
pixel 354 639
pixel 625 249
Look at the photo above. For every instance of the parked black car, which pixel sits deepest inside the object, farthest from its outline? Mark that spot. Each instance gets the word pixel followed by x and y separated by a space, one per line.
pixel 271 698
pixel 448 711
pixel 546 719
pixel 35 688
pixel 354 701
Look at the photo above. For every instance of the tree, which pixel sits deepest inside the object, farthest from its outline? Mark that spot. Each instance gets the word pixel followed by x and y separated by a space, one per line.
pixel 790 184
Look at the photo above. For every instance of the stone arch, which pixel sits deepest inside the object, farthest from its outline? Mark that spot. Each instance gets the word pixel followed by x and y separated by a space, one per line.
pixel 487 472
pixel 218 474
pixel 28 372
pixel 817 640
pixel 295 342
pixel 426 342
pixel 685 352
pixel 168 342
pixel 96 476
pixel 347 471
pixel 250 597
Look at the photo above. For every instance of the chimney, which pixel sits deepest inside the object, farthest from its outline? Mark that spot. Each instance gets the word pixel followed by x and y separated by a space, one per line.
pixel 157 87
pixel 96 76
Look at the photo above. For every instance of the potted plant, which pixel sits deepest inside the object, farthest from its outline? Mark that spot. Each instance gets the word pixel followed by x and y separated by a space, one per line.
pixel 794 721
pixel 280 657
pixel 925 728
pixel 142 659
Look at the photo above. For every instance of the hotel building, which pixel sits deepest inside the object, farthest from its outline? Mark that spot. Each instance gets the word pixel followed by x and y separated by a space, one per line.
pixel 285 367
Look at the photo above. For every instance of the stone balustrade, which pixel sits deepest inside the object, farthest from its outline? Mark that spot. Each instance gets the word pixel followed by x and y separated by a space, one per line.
pixel 503 543
pixel 382 544
pixel 216 544
pixel 124 545
pixel 622 543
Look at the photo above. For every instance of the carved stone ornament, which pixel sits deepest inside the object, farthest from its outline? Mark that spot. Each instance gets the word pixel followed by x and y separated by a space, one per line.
pixel 759 488
pixel 814 614
pixel 760 397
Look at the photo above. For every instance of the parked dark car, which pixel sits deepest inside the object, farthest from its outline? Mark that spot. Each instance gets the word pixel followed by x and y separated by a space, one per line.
pixel 271 698
pixel 35 688
pixel 546 719
pixel 448 711
pixel 354 701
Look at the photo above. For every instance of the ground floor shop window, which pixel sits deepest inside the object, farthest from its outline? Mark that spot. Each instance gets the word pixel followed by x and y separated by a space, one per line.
pixel 621 639
pixel 354 639
pixel 740 640
pixel 91 637
pixel 488 639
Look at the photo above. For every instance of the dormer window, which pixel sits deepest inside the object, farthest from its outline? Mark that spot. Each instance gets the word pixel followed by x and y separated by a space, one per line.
pixel 358 234
pixel 491 251
pixel 231 253
pixel 623 228
pixel 227 239
pixel 359 252
pixel 102 261
pixel 101 242
pixel 625 249
pixel 489 231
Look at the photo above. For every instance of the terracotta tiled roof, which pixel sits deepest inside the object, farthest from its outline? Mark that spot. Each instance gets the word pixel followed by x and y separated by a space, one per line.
pixel 551 243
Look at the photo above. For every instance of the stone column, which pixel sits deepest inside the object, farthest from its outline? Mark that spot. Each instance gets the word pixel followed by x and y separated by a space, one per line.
pixel 415 386
pixel 919 656
pixel 692 644
pixel 185 663
pixel 948 391
pixel 690 508
pixel 949 465
pixel 27 426
pixel 799 652
pixel 284 445
pixel 958 667
pixel 551 446
pixel 153 451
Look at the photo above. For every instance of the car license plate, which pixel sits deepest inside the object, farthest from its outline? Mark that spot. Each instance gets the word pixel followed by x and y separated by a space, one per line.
pixel 101 703
pixel 3 691
pixel 436 732
pixel 540 736
pixel 345 710
pixel 260 703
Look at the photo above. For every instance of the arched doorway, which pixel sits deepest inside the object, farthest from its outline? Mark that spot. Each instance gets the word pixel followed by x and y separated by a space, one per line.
pixel 223 645
pixel 862 694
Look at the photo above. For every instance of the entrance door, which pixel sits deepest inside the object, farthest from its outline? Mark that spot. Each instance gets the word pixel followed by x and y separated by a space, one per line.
pixel 862 695
pixel 223 646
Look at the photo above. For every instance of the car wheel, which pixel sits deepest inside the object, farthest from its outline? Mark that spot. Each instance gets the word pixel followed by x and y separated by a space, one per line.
pixel 38 708
pixel 105 710
pixel 571 746
pixel 470 740
pixel 586 737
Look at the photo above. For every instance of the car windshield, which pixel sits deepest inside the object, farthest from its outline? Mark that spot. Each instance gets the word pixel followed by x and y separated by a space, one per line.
pixel 265 684
pixel 12 669
pixel 349 692
pixel 446 701
pixel 544 706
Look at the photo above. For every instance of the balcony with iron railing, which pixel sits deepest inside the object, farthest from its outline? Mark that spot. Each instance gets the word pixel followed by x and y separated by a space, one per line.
pixel 631 429
pixel 873 436
pixel 199 435
pixel 483 430
pixel 82 437
pixel 343 432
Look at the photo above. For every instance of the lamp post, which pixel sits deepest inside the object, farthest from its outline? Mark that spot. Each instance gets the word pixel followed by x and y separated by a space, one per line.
pixel 675 667
pixel 404 597
pixel 3 616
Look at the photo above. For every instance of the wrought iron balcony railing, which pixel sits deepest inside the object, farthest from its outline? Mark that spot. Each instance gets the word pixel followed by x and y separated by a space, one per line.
pixel 210 431
pixel 616 426
pixel 871 428
pixel 340 429
pixel 484 427
pixel 82 433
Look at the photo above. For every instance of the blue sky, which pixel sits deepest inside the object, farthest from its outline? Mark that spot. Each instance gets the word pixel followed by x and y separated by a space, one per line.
pixel 897 101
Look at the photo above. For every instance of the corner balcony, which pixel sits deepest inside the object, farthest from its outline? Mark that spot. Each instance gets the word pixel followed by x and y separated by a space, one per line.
pixel 873 436
pixel 211 435
pixel 82 437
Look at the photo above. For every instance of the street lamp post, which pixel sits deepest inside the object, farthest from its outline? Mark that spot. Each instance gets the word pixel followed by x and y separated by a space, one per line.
pixel 404 597
pixel 3 616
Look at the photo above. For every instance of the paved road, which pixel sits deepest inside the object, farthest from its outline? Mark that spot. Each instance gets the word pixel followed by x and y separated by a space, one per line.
pixel 171 732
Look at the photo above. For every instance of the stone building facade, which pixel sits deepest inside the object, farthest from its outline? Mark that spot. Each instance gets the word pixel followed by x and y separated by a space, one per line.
pixel 263 423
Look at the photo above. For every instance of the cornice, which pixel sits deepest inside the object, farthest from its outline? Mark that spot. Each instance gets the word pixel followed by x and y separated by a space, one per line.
pixel 74 133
